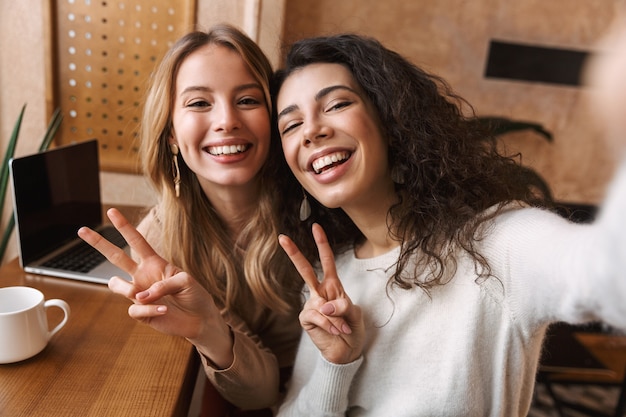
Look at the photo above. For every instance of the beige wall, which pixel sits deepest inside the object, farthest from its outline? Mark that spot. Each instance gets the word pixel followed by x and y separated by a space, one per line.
pixel 262 20
pixel 23 72
pixel 445 36
pixel 451 38
pixel 22 77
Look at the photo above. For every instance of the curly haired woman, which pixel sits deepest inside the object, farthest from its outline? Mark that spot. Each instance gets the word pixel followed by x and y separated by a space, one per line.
pixel 446 265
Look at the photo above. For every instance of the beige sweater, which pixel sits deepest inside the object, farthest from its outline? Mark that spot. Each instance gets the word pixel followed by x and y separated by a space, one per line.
pixel 261 347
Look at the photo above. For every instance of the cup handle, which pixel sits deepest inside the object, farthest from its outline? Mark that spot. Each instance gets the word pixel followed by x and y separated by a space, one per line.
pixel 55 302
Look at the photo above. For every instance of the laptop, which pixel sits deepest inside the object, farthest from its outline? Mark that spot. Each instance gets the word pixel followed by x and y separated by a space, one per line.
pixel 55 192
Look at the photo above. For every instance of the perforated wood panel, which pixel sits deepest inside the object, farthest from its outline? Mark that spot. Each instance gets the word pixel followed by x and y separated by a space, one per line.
pixel 105 52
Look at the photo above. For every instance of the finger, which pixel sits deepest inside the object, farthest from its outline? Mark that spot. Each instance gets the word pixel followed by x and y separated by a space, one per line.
pixel 336 308
pixel 114 254
pixel 160 289
pixel 303 266
pixel 134 239
pixel 340 314
pixel 330 287
pixel 143 312
pixel 327 259
pixel 122 287
pixel 338 301
pixel 311 318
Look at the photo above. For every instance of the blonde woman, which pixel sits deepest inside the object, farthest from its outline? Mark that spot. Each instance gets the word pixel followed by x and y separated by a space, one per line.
pixel 208 149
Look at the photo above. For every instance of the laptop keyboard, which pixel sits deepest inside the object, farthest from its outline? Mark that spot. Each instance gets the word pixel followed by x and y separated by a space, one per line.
pixel 82 257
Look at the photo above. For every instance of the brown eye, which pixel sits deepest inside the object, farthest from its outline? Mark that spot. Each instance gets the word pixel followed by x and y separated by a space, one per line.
pixel 249 101
pixel 339 105
pixel 199 103
pixel 289 127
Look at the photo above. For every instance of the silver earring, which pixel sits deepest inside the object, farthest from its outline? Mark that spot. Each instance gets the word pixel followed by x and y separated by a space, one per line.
pixel 174 149
pixel 305 208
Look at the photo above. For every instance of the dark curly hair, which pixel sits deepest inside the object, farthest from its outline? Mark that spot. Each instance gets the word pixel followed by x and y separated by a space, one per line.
pixel 447 168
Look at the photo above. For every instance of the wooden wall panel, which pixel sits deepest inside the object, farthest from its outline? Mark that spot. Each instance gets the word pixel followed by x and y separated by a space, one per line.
pixel 105 53
pixel 452 39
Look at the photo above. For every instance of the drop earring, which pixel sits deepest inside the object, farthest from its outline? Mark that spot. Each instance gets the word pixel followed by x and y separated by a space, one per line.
pixel 174 149
pixel 305 208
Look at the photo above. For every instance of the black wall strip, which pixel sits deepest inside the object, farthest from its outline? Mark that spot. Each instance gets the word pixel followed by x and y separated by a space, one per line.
pixel 534 63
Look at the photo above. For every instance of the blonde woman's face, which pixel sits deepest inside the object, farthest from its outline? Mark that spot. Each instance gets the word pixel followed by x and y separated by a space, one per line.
pixel 220 118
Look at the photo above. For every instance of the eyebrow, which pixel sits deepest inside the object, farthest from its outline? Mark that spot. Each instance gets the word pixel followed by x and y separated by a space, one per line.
pixel 239 88
pixel 320 94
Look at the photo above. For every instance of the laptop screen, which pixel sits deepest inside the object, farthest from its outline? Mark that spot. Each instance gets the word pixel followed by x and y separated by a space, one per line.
pixel 56 192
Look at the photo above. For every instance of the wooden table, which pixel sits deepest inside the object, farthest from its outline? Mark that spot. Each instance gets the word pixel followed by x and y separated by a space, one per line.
pixel 102 363
pixel 584 355
pixel 584 358
pixel 609 349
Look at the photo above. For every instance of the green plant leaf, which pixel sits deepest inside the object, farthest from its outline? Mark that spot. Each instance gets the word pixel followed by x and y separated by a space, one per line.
pixel 53 127
pixel 6 235
pixel 501 125
pixel 4 170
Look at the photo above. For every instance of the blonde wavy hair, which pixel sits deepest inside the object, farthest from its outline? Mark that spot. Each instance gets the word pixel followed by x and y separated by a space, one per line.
pixel 194 236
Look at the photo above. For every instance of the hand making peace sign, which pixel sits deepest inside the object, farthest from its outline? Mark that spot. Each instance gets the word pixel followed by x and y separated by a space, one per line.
pixel 334 324
pixel 166 298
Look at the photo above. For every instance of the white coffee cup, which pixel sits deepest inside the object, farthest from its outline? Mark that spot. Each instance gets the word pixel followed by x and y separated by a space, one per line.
pixel 24 330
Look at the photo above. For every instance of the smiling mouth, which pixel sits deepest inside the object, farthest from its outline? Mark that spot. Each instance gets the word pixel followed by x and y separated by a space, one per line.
pixel 227 149
pixel 329 161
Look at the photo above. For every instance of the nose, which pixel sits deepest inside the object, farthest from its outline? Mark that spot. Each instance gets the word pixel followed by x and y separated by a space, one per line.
pixel 315 130
pixel 225 117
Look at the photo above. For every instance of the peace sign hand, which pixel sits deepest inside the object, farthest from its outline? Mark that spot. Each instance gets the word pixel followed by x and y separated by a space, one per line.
pixel 151 267
pixel 164 297
pixel 334 324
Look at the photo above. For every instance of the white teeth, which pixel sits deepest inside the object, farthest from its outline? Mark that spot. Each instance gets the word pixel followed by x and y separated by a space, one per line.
pixel 226 150
pixel 324 161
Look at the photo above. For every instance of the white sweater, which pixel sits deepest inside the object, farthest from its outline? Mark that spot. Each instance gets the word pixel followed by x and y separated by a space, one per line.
pixel 471 349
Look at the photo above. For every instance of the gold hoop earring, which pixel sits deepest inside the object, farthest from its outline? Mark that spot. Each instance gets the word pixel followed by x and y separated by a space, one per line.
pixel 305 208
pixel 174 149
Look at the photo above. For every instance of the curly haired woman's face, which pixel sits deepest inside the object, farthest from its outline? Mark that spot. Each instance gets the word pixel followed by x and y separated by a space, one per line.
pixel 221 122
pixel 331 137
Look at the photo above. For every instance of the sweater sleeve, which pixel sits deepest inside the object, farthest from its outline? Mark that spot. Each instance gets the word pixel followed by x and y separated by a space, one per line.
pixel 259 349
pixel 323 392
pixel 252 380
pixel 556 270
pixel 610 290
